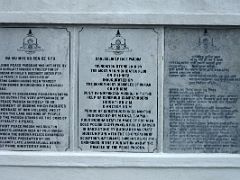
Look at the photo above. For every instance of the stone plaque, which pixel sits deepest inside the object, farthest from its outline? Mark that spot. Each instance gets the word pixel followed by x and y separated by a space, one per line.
pixel 34 89
pixel 118 90
pixel 201 90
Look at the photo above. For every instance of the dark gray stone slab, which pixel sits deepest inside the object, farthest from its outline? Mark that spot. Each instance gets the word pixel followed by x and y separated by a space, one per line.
pixel 201 90
pixel 118 90
pixel 34 89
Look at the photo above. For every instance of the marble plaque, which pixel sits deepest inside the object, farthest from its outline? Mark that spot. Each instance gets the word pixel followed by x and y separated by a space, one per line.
pixel 201 90
pixel 117 90
pixel 34 89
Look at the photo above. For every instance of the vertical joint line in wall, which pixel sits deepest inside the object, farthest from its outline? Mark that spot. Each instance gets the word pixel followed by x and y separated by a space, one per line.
pixel 158 138
pixel 157 92
pixel 162 88
pixel 76 142
pixel 70 91
pixel 78 87
pixel 73 88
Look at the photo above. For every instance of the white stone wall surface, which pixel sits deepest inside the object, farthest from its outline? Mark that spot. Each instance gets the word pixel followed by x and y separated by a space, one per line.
pixel 156 14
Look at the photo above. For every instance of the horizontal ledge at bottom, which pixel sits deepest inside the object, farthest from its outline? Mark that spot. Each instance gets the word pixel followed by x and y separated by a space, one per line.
pixel 83 159
pixel 120 18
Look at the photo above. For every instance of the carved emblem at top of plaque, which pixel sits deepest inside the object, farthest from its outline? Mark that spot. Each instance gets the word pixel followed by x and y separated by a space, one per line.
pixel 118 45
pixel 30 44
pixel 206 43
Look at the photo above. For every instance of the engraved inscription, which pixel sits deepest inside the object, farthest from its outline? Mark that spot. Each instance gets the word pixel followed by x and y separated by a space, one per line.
pixel 201 94
pixel 118 90
pixel 34 89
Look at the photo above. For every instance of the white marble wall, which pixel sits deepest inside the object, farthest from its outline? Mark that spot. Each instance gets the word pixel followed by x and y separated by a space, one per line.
pixel 111 166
